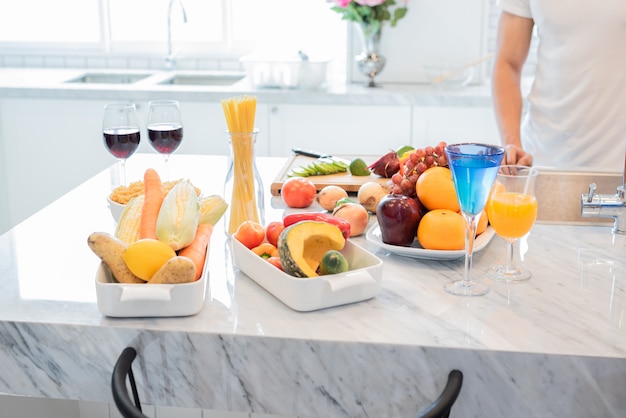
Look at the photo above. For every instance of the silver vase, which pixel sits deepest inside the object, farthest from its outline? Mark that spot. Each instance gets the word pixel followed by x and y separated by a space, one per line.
pixel 369 61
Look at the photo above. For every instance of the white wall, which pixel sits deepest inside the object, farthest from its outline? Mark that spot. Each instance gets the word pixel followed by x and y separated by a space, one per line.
pixel 5 218
pixel 435 32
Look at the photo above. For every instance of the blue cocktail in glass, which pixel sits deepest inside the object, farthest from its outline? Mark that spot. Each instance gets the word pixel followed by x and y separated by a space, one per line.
pixel 474 168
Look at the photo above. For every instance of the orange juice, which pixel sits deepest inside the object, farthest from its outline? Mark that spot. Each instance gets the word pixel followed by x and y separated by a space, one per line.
pixel 512 214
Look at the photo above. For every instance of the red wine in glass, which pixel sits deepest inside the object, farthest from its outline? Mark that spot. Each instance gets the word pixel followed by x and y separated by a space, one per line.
pixel 165 128
pixel 120 131
pixel 165 137
pixel 122 142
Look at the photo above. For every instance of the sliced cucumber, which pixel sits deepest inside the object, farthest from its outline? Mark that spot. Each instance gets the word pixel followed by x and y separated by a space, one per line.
pixel 319 168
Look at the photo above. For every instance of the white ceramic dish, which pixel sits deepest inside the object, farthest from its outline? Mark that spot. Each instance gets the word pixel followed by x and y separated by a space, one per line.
pixel 363 282
pixel 284 71
pixel 116 209
pixel 374 237
pixel 129 300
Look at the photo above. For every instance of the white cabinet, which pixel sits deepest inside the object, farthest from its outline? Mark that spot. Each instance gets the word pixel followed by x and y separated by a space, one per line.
pixel 432 124
pixel 205 129
pixel 48 147
pixel 338 129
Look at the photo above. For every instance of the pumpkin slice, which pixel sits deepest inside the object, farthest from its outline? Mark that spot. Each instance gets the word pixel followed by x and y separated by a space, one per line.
pixel 302 245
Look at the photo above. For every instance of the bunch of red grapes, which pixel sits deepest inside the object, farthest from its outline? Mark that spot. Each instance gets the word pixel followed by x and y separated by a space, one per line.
pixel 419 160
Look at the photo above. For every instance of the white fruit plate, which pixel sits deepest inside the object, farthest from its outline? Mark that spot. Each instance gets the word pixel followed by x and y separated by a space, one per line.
pixel 374 236
pixel 362 282
pixel 129 300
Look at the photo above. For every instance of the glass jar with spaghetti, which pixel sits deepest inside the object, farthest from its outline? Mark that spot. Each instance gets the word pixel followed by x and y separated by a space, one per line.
pixel 243 187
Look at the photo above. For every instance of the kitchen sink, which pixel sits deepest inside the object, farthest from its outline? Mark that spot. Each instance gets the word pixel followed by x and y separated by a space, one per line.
pixel 177 78
pixel 109 78
pixel 204 79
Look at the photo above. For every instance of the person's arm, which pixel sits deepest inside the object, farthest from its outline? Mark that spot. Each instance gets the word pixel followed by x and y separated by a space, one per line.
pixel 514 36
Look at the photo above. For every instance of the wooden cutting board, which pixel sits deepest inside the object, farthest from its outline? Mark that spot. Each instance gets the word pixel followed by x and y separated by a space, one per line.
pixel 348 182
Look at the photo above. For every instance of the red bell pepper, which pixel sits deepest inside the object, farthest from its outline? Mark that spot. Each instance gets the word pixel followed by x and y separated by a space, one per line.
pixel 342 224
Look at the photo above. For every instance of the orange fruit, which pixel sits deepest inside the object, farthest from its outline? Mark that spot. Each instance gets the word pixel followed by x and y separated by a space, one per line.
pixel 482 222
pixel 442 229
pixel 435 189
pixel 496 188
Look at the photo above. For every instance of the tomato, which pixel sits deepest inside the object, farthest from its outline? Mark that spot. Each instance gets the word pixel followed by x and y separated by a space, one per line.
pixel 298 192
pixel 272 232
pixel 250 233
pixel 275 261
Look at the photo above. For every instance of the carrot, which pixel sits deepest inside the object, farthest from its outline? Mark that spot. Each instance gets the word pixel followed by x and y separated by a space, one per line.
pixel 153 198
pixel 198 249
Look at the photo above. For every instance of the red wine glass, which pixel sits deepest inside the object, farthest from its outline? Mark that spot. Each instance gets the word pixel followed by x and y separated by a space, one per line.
pixel 165 128
pixel 120 131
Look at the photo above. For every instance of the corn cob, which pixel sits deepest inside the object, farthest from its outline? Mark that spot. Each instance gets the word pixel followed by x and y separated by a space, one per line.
pixel 212 208
pixel 127 229
pixel 178 218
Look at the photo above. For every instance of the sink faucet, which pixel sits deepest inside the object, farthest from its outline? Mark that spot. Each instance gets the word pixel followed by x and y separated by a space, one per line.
pixel 170 60
pixel 606 206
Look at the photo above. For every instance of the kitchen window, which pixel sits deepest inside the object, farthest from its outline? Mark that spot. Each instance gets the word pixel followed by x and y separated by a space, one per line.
pixel 213 27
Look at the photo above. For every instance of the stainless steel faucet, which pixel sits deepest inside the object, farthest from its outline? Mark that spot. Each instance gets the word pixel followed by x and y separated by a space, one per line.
pixel 170 60
pixel 606 206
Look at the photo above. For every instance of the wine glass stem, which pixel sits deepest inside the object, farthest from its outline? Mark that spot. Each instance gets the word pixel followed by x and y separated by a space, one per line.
pixel 167 166
pixel 470 235
pixel 509 254
pixel 123 172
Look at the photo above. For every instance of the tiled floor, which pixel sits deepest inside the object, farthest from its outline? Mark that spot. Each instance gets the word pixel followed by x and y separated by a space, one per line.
pixel 22 407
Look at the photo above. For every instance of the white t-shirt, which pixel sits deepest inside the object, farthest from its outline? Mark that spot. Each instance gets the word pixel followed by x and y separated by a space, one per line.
pixel 577 104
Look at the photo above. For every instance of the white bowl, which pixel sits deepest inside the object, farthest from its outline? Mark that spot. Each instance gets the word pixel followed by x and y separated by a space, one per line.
pixel 363 282
pixel 116 208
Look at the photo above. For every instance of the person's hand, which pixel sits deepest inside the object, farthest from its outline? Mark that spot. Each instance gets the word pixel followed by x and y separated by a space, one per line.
pixel 514 155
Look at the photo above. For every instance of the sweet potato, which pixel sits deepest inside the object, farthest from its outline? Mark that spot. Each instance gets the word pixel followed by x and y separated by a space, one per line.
pixel 176 270
pixel 110 251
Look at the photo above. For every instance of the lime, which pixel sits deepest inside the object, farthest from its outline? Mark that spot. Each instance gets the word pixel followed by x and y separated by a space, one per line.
pixel 344 200
pixel 358 167
pixel 403 149
pixel 333 262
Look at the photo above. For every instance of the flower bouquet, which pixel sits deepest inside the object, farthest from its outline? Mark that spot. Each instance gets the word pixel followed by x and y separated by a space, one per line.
pixel 369 16
pixel 370 13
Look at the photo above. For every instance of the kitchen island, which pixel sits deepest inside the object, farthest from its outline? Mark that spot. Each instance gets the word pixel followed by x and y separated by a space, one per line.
pixel 552 346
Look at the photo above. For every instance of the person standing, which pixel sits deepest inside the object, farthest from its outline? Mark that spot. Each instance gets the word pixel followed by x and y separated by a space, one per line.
pixel 576 115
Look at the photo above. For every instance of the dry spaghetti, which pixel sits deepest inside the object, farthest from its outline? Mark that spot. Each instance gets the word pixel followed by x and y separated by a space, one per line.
pixel 240 114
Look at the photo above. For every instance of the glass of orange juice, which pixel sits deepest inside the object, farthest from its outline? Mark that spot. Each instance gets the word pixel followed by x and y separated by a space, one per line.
pixel 512 210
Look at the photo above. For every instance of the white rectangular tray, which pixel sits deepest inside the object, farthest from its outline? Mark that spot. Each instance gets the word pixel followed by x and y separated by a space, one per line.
pixel 362 282
pixel 127 300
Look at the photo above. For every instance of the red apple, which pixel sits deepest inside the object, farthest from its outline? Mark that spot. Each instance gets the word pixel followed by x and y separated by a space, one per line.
pixel 398 217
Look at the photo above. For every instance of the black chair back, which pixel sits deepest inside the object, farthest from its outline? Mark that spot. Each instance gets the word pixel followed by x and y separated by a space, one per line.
pixel 123 368
pixel 441 407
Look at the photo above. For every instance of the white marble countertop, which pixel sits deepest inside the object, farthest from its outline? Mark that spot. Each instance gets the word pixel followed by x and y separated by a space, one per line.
pixel 552 346
pixel 51 83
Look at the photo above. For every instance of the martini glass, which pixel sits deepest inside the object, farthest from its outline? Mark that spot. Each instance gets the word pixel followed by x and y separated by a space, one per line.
pixel 474 168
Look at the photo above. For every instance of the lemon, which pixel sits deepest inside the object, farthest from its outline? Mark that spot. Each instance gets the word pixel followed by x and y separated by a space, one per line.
pixel 144 257
pixel 358 167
